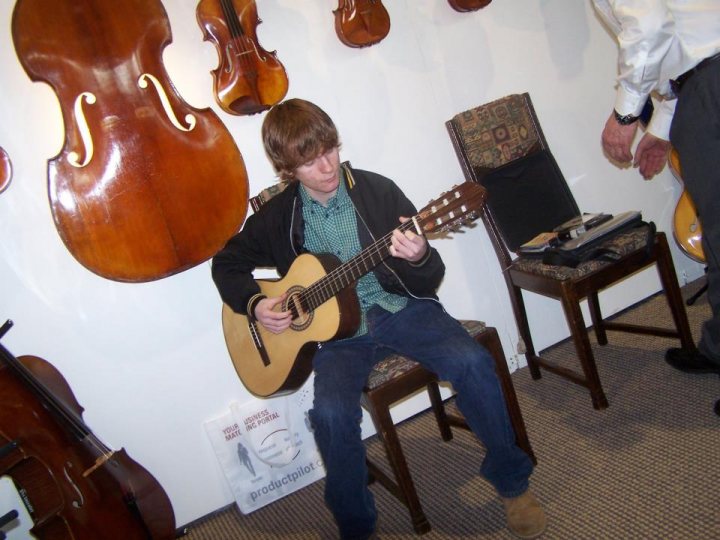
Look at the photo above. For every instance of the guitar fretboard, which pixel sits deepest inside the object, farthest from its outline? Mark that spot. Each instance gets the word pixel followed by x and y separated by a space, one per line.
pixel 348 273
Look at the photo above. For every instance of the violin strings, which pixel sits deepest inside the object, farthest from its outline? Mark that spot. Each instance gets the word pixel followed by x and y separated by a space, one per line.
pixel 237 34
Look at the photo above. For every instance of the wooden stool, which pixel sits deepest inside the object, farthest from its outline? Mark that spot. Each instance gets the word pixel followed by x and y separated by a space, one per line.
pixel 398 377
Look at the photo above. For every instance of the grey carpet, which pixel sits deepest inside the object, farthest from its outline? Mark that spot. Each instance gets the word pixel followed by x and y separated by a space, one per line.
pixel 646 467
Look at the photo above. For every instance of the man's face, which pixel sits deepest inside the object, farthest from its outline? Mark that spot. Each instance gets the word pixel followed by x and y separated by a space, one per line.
pixel 320 176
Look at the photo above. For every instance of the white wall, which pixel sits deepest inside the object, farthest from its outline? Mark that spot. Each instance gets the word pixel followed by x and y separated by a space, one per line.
pixel 148 361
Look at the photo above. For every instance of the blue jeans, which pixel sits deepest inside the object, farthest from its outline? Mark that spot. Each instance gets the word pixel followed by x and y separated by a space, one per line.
pixel 426 333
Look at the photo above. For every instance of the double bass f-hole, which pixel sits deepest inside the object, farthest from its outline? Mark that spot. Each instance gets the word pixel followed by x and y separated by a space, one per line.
pixel 189 118
pixel 90 99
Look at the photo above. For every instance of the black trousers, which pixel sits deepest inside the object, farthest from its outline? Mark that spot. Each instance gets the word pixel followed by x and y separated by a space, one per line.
pixel 695 133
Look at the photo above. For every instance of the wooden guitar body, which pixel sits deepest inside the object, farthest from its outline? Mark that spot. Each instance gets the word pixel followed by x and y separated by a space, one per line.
pixel 321 296
pixel 286 361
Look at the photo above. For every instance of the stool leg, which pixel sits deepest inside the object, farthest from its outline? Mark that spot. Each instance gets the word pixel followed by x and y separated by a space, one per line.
pixel 388 434
pixel 491 341
pixel 439 409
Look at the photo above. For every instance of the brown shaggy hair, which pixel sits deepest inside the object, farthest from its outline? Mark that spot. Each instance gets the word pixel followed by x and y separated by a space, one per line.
pixel 295 132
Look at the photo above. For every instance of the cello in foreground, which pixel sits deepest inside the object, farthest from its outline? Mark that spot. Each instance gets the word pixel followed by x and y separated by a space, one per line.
pixel 74 487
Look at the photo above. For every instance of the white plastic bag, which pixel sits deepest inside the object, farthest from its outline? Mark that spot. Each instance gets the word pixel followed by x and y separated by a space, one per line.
pixel 266 448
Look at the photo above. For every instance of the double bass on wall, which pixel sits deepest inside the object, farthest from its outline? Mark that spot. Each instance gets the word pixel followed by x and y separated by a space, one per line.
pixel 145 186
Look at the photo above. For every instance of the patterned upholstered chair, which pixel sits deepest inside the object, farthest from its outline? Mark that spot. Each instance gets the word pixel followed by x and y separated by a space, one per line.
pixel 501 146
pixel 399 377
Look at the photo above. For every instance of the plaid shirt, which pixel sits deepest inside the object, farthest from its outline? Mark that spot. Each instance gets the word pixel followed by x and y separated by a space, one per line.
pixel 333 229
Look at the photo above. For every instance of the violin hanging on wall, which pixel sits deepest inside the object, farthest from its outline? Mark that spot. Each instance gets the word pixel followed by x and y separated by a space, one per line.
pixel 468 5
pixel 75 487
pixel 145 186
pixel 361 23
pixel 248 79
pixel 5 170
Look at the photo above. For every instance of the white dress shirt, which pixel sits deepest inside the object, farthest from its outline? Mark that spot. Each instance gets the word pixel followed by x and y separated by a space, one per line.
pixel 658 40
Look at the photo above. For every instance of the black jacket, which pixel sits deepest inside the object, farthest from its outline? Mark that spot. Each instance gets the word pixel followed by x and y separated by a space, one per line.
pixel 274 237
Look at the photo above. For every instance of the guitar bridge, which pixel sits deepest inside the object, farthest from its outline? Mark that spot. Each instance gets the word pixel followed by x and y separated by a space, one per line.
pixel 258 342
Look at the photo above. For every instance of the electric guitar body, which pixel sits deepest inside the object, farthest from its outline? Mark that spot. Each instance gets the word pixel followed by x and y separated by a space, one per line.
pixel 686 225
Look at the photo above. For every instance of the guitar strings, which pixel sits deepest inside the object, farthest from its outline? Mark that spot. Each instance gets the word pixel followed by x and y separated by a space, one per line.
pixel 329 285
pixel 326 287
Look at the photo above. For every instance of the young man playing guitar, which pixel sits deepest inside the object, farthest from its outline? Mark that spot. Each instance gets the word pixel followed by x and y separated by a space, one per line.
pixel 332 208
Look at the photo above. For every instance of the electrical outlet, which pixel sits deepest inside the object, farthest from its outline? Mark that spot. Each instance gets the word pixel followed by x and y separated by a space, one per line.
pixel 513 363
pixel 683 277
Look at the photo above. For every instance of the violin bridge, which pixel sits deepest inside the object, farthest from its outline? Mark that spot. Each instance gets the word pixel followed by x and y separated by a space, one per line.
pixel 98 462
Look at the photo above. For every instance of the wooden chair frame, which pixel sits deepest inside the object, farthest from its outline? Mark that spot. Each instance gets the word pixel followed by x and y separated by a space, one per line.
pixel 379 399
pixel 575 285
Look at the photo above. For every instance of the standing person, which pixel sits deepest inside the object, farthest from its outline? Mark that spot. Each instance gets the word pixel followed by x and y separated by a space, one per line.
pixel 672 49
pixel 332 208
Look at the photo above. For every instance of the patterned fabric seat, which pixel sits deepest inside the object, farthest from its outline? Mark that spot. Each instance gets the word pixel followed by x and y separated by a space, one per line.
pixel 621 244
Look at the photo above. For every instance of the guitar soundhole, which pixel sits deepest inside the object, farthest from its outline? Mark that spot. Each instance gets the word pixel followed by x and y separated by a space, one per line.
pixel 302 318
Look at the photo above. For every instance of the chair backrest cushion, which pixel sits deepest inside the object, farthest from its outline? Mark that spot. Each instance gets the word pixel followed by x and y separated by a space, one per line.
pixel 527 197
pixel 498 132
pixel 501 146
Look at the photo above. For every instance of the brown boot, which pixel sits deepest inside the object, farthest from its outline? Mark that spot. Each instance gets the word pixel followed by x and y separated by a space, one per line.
pixel 525 516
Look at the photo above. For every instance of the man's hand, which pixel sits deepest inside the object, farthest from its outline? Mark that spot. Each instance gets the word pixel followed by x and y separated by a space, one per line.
pixel 651 155
pixel 408 245
pixel 275 321
pixel 617 140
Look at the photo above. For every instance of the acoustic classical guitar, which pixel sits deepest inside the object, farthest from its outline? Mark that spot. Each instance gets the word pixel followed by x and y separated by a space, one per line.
pixel 322 298
pixel 686 225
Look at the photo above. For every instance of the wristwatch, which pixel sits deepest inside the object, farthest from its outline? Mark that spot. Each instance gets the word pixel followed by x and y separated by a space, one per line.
pixel 625 120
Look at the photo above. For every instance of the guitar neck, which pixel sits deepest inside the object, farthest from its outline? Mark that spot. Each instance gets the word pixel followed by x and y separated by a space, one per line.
pixel 348 273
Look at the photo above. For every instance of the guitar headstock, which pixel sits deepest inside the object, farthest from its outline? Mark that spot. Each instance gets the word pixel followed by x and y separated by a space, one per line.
pixel 453 208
